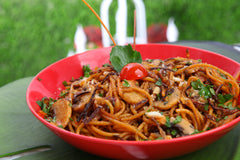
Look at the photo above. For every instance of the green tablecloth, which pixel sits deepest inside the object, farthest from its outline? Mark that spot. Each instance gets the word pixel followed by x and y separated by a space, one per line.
pixel 20 130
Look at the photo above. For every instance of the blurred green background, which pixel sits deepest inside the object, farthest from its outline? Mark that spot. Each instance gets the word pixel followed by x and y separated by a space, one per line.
pixel 36 33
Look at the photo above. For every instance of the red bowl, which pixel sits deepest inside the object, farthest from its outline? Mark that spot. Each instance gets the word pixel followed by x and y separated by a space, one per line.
pixel 49 83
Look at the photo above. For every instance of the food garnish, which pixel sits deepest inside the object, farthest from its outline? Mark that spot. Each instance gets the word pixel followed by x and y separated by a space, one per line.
pixel 122 55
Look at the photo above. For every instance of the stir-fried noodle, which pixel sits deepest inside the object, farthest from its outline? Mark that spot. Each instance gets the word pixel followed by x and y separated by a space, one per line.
pixel 179 97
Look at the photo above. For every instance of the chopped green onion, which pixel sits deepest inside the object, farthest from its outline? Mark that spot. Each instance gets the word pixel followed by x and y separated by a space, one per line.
pixel 168 123
pixel 159 82
pixel 174 132
pixel 159 138
pixel 100 95
pixel 63 94
pixel 177 119
pixel 126 84
pixel 64 83
pixel 86 70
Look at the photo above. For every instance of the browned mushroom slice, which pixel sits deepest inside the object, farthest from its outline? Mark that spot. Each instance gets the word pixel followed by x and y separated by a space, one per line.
pixel 184 126
pixel 62 111
pixel 133 97
pixel 156 62
pixel 169 101
pixel 82 99
pixel 161 119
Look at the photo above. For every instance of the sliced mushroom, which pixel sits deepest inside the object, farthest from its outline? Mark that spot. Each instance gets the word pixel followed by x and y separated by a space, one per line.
pixel 184 126
pixel 83 99
pixel 157 115
pixel 62 112
pixel 169 101
pixel 157 62
pixel 133 97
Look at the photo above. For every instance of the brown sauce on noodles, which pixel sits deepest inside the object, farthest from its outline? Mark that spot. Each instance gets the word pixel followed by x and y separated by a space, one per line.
pixel 178 97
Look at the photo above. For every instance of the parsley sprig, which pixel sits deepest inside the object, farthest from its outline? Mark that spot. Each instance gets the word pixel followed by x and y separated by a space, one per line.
pixel 169 124
pixel 224 98
pixel 86 70
pixel 44 107
pixel 227 106
pixel 159 82
pixel 126 83
pixel 178 119
pixel 205 90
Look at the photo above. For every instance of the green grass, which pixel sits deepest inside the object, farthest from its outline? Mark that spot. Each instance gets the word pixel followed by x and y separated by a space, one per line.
pixel 36 33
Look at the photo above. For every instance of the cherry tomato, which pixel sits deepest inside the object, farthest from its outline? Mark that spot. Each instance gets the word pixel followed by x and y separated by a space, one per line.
pixel 133 71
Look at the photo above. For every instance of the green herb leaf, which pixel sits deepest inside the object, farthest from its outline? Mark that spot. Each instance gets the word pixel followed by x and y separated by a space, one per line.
pixel 53 119
pixel 218 119
pixel 174 132
pixel 168 123
pixel 40 102
pixel 64 83
pixel 100 95
pixel 44 106
pixel 230 85
pixel 228 106
pixel 159 82
pixel 86 70
pixel 177 119
pixel 106 65
pixel 197 85
pixel 205 90
pixel 122 55
pixel 48 119
pixel 126 84
pixel 222 75
pixel 150 60
pixel 197 131
pixel 206 106
pixel 159 138
pixel 60 126
pixel 224 98
pixel 158 97
pixel 51 101
pixel 212 90
pixel 62 94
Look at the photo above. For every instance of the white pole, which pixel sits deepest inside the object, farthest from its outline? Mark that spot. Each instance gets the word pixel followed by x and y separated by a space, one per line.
pixel 121 22
pixel 141 26
pixel 104 16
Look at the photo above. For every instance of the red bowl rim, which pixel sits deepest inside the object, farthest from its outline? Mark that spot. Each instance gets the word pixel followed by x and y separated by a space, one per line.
pixel 226 126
